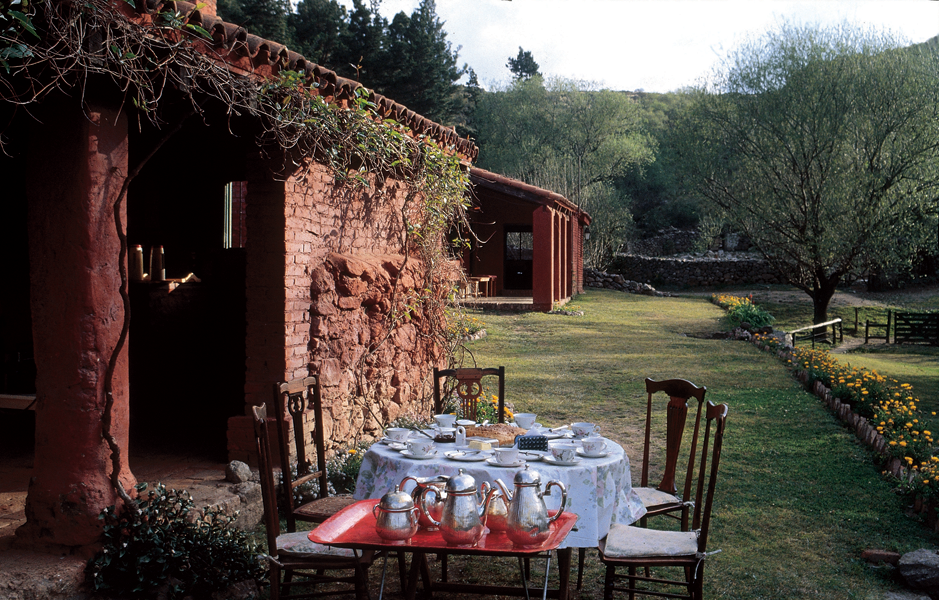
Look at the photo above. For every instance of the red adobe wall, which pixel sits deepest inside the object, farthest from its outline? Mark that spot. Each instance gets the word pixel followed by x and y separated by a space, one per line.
pixel 322 264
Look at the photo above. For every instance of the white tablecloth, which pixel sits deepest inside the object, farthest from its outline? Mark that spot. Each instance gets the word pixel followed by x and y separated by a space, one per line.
pixel 599 490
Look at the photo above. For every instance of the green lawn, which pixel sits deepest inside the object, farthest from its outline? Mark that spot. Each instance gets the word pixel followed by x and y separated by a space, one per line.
pixel 799 498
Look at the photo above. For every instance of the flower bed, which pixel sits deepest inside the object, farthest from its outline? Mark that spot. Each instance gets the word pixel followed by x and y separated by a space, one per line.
pixel 883 412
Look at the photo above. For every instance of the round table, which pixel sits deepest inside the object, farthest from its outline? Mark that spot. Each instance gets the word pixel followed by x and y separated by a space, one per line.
pixel 599 490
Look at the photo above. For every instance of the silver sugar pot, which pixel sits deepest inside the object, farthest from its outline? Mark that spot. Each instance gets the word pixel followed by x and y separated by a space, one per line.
pixel 464 517
pixel 396 516
pixel 527 522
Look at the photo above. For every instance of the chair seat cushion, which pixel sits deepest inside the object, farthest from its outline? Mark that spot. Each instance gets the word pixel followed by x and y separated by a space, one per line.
pixel 653 497
pixel 321 509
pixel 298 545
pixel 626 541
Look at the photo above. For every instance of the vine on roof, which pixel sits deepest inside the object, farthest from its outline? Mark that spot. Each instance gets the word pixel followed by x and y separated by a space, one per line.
pixel 51 45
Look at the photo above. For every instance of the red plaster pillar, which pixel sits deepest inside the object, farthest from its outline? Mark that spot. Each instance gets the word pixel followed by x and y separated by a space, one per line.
pixel 76 167
pixel 542 284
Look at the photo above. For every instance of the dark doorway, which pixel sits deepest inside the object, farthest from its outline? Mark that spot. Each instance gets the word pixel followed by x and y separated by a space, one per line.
pixel 518 257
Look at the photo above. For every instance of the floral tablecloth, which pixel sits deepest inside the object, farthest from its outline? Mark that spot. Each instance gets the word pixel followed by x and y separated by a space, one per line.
pixel 599 490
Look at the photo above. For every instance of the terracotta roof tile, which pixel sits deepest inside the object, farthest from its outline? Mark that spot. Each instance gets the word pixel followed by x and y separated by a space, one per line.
pixel 525 191
pixel 248 52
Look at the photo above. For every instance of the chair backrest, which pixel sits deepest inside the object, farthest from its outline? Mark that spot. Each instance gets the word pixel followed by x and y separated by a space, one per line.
pixel 716 417
pixel 467 385
pixel 680 391
pixel 266 470
pixel 300 398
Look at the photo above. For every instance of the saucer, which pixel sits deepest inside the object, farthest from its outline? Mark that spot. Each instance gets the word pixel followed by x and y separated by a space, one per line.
pixel 492 461
pixel 470 456
pixel 535 426
pixel 584 453
pixel 561 463
pixel 530 456
pixel 397 446
pixel 408 454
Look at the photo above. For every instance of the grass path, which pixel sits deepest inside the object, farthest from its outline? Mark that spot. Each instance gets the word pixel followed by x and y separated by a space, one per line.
pixel 799 498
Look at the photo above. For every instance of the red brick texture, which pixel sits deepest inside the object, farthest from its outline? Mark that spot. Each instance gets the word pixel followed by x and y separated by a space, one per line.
pixel 324 276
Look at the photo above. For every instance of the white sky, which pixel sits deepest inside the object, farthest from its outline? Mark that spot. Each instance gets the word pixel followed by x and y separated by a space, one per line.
pixel 655 45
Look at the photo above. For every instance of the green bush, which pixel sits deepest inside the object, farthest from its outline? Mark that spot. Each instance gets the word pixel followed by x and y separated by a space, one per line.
pixel 162 548
pixel 747 312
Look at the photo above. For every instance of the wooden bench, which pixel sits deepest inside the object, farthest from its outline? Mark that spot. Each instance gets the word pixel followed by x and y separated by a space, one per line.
pixel 911 327
pixel 18 401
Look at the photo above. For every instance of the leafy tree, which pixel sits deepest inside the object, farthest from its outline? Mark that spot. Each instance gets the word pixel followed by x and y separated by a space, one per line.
pixel 523 66
pixel 821 145
pixel 572 138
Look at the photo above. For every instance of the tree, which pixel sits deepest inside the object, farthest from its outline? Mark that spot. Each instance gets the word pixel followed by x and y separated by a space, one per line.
pixel 420 69
pixel 523 66
pixel 320 32
pixel 264 18
pixel 571 138
pixel 821 145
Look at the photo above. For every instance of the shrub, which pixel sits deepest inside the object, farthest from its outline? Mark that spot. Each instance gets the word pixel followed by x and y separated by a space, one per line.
pixel 743 310
pixel 163 548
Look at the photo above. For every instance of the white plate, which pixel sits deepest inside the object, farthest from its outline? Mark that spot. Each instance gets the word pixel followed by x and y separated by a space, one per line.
pixel 468 456
pixel 408 454
pixel 561 463
pixel 495 463
pixel 585 454
pixel 530 455
pixel 397 446
pixel 535 426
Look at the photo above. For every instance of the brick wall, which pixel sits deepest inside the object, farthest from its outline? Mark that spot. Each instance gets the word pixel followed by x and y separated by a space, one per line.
pixel 324 272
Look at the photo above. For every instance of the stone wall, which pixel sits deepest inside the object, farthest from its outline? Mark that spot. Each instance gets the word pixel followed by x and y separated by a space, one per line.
pixel 710 269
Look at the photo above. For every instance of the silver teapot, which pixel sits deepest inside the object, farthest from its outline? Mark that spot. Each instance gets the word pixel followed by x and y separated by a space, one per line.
pixel 435 510
pixel 527 522
pixel 464 516
pixel 396 516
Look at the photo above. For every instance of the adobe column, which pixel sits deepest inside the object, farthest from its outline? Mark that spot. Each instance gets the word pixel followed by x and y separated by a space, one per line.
pixel 542 280
pixel 77 163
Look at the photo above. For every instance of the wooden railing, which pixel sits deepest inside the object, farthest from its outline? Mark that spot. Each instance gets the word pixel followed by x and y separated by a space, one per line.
pixel 819 333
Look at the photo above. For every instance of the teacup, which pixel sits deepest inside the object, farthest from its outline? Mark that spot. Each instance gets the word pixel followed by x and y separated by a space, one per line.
pixel 584 429
pixel 445 420
pixel 420 447
pixel 506 456
pixel 564 452
pixel 593 445
pixel 397 434
pixel 525 420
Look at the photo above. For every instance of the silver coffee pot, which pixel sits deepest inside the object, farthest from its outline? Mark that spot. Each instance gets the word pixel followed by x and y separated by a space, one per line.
pixel 435 510
pixel 527 522
pixel 396 516
pixel 464 516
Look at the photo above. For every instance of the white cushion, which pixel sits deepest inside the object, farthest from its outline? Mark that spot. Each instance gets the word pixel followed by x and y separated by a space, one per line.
pixel 298 545
pixel 652 497
pixel 626 541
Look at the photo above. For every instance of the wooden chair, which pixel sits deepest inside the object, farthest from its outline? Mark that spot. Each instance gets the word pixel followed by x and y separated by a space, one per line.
pixel 300 398
pixel 468 386
pixel 664 499
pixel 639 547
pixel 292 554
